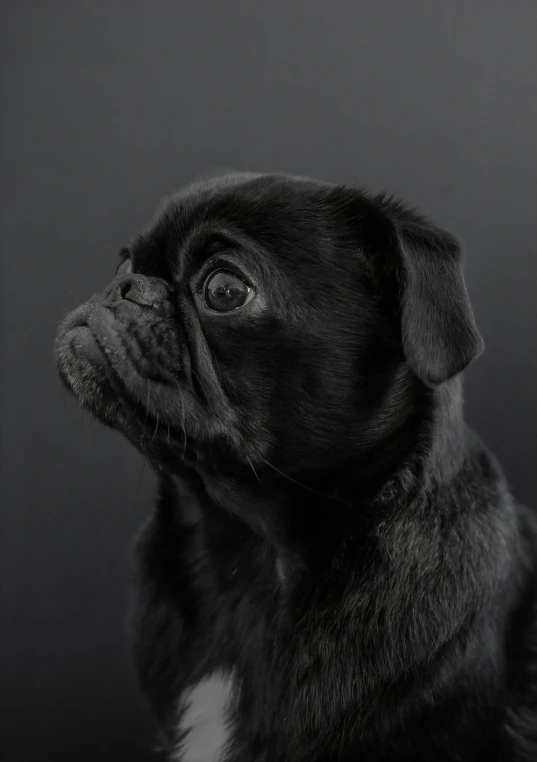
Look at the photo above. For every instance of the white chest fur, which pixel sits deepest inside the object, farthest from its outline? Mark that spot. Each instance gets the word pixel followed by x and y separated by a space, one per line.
pixel 203 729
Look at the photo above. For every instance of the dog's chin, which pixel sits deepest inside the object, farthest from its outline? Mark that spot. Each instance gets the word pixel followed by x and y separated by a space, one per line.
pixel 102 364
pixel 87 373
pixel 110 388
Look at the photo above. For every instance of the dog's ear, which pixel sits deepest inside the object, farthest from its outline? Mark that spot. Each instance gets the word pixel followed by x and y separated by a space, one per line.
pixel 439 334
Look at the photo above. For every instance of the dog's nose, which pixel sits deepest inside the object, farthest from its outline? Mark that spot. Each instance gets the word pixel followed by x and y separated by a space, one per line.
pixel 139 289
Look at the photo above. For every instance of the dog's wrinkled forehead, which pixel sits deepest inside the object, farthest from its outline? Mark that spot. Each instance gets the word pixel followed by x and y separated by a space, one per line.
pixel 277 212
pixel 282 225
pixel 259 206
pixel 244 187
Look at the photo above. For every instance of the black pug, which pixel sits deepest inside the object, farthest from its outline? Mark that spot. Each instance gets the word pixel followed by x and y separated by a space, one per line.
pixel 334 569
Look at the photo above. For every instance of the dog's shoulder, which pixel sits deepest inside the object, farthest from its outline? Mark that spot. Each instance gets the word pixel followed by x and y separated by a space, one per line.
pixel 520 720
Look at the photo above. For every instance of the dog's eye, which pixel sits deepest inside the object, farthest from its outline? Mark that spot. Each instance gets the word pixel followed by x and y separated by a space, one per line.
pixel 125 266
pixel 224 291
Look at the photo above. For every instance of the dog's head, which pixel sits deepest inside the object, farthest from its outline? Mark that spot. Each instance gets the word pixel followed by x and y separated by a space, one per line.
pixel 270 320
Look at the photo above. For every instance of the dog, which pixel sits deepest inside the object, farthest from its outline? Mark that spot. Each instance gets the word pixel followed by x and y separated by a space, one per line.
pixel 334 568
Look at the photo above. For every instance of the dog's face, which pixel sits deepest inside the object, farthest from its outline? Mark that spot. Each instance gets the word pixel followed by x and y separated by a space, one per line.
pixel 269 320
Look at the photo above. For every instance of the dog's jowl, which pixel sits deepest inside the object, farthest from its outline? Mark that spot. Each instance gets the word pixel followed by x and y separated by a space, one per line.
pixel 334 567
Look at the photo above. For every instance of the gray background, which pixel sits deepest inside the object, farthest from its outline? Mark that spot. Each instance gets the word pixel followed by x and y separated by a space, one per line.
pixel 105 107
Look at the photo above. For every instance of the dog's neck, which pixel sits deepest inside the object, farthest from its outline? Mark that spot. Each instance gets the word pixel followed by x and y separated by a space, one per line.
pixel 448 433
pixel 405 462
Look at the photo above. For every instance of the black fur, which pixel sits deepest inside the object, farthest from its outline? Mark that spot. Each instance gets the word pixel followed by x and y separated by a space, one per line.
pixel 327 528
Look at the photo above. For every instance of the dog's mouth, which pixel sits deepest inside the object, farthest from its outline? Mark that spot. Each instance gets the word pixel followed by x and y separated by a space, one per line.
pixel 119 353
pixel 82 360
pixel 85 346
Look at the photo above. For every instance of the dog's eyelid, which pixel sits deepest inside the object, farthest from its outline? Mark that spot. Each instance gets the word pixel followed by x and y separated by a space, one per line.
pixel 223 261
pixel 215 243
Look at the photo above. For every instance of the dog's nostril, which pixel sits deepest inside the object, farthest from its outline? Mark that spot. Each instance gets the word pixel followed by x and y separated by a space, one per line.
pixel 124 289
pixel 141 290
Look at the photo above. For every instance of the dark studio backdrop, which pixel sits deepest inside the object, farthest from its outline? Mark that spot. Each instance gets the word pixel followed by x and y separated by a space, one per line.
pixel 106 107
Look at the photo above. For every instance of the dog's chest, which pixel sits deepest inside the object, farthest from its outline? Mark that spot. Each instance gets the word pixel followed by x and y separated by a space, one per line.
pixel 204 728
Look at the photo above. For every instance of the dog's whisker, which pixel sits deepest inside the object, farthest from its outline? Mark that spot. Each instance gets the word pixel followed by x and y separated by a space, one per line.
pixel 253 469
pixel 304 486
pixel 28 334
pixel 183 427
pixel 75 297
pixel 156 429
pixel 148 400
pixel 75 284
pixel 140 475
